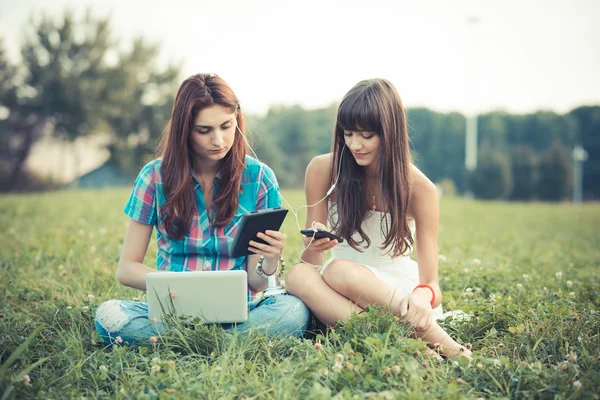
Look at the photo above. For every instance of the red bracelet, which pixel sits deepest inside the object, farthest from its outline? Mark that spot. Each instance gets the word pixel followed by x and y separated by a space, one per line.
pixel 424 285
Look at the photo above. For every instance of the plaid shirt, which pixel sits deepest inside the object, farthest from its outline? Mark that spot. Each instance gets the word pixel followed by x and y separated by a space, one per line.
pixel 205 247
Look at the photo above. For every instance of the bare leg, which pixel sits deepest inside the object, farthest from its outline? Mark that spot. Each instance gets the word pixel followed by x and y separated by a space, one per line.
pixel 360 285
pixel 304 282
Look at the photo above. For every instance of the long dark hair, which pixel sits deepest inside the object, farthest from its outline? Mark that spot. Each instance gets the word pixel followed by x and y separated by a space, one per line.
pixel 373 105
pixel 194 94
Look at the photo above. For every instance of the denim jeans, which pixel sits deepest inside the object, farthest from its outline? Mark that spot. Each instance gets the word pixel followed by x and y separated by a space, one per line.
pixel 282 315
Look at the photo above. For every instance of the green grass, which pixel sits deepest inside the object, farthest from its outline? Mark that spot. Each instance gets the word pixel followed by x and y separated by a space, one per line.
pixel 534 299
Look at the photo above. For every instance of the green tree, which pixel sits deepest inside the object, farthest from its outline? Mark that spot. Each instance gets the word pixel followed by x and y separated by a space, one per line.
pixel 9 145
pixel 492 179
pixel 555 173
pixel 588 128
pixel 287 141
pixel 438 144
pixel 62 91
pixel 141 98
pixel 524 171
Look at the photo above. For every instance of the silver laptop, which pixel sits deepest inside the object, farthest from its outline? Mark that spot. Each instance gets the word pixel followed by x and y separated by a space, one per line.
pixel 213 296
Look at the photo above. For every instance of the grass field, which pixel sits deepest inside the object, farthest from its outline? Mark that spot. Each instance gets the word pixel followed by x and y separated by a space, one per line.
pixel 528 273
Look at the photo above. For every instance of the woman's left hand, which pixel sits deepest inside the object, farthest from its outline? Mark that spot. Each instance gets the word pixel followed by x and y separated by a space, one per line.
pixel 272 249
pixel 416 310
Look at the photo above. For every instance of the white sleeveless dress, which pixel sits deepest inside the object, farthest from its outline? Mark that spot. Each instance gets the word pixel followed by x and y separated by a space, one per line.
pixel 401 273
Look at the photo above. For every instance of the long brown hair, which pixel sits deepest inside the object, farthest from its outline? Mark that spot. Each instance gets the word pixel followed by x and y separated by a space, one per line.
pixel 375 106
pixel 196 93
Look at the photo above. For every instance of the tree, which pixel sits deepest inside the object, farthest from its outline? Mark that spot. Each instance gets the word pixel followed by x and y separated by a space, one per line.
pixel 588 128
pixel 62 88
pixel 556 173
pixel 8 98
pixel 524 171
pixel 492 179
pixel 141 98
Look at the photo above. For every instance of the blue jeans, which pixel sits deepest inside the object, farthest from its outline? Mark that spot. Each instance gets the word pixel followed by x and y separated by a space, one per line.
pixel 282 315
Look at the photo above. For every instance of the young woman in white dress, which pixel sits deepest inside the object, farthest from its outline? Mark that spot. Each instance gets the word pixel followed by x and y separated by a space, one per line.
pixel 377 201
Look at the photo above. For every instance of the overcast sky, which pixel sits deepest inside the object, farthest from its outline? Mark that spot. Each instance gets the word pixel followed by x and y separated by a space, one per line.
pixel 521 56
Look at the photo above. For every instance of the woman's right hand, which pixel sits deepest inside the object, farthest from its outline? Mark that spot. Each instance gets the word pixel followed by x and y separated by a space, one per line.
pixel 319 245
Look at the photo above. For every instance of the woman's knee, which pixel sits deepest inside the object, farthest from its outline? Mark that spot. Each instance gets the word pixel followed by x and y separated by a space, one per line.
pixel 343 274
pixel 300 277
pixel 110 316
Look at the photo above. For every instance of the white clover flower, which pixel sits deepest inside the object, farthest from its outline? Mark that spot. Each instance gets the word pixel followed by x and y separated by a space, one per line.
pixel 442 258
pixel 519 287
pixel 558 275
pixel 103 368
pixel 477 261
pixel 569 284
pixel 102 231
pixel 525 277
pixel 90 296
pixel 466 270
pixel 572 294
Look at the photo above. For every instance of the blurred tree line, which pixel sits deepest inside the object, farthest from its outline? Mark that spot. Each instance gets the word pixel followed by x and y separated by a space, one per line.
pixel 75 80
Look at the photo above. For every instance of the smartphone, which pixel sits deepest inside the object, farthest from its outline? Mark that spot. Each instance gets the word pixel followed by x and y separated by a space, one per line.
pixel 320 234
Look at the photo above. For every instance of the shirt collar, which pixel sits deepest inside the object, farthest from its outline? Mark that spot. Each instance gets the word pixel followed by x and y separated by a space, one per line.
pixel 215 180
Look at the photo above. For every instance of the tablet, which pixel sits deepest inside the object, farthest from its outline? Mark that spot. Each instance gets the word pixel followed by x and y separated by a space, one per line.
pixel 251 224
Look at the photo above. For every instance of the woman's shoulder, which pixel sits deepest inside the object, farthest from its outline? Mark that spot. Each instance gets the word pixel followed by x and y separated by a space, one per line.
pixel 423 194
pixel 320 164
pixel 151 171
pixel 420 183
pixel 256 170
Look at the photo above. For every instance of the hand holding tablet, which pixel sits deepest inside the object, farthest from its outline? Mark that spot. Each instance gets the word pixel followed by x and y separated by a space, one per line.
pixel 251 224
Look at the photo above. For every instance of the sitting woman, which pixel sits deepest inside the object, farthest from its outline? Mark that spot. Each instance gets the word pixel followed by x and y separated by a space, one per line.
pixel 379 201
pixel 195 195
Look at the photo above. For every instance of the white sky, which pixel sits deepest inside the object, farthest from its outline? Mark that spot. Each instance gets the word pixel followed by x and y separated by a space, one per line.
pixel 529 55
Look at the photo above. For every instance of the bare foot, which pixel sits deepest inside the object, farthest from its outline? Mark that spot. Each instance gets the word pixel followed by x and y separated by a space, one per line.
pixel 456 354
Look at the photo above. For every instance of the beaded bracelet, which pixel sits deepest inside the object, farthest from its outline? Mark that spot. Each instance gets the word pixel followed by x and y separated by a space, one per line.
pixel 261 273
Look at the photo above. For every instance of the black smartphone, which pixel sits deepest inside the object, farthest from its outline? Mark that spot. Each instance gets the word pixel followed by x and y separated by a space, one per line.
pixel 320 234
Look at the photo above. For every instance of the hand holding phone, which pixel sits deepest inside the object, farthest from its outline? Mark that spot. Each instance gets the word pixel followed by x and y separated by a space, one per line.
pixel 320 234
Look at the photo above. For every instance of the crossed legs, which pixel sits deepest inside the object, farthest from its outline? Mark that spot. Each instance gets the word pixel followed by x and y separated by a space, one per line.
pixel 347 287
